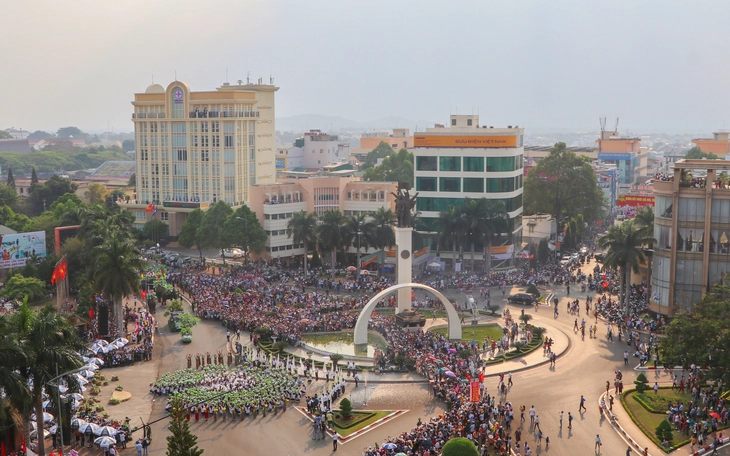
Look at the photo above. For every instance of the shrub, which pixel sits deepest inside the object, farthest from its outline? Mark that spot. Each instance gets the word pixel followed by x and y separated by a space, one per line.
pixel 346 408
pixel 664 431
pixel 119 387
pixel 525 318
pixel 115 378
pixel 520 346
pixel 532 289
pixel 114 401
pixel 459 446
pixel 493 309
pixel 641 382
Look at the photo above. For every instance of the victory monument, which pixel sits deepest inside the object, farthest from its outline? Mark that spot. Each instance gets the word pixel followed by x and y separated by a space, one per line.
pixel 404 204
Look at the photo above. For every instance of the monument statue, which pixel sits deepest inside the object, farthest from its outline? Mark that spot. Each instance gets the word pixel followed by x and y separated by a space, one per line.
pixel 404 204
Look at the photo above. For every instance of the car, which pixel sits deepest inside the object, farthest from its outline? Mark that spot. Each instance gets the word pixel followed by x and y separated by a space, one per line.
pixel 584 251
pixel 521 298
pixel 232 253
pixel 598 257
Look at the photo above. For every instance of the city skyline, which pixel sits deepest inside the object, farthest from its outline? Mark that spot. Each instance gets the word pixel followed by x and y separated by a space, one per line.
pixel 656 65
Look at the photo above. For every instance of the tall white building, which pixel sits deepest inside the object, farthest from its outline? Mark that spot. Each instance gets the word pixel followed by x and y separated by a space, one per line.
pixel 322 149
pixel 195 148
pixel 463 160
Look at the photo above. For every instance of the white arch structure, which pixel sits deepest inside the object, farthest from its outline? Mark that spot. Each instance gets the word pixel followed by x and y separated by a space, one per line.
pixel 361 327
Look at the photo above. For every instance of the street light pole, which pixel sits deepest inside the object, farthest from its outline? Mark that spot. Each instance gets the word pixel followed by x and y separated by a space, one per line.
pixel 59 426
pixel 359 233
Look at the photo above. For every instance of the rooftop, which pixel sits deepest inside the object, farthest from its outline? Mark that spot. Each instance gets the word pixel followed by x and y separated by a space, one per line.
pixel 113 169
pixel 702 164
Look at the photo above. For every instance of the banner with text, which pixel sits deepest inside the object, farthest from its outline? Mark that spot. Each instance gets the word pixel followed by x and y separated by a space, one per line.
pixel 16 249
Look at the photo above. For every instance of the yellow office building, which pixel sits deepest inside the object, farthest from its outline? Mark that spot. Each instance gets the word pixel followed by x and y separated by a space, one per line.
pixel 195 148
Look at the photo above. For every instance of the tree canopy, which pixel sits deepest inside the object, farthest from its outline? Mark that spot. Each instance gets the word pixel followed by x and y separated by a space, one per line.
pixel 60 160
pixel 189 230
pixel 696 153
pixel 18 287
pixel 381 151
pixel 96 193
pixel 396 167
pixel 5 135
pixel 211 231
pixel 242 228
pixel 563 184
pixel 43 195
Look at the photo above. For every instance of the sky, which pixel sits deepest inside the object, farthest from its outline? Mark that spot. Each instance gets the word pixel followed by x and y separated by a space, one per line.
pixel 661 66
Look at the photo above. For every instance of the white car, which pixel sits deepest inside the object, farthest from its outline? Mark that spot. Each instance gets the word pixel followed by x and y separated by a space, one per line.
pixel 232 253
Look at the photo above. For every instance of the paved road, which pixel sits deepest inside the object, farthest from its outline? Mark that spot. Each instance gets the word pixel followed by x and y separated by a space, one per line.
pixel 584 369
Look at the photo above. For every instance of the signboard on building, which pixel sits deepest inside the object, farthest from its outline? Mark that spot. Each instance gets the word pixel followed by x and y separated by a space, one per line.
pixel 635 200
pixel 476 141
pixel 614 156
pixel 280 163
pixel 502 252
pixel 16 249
pixel 181 204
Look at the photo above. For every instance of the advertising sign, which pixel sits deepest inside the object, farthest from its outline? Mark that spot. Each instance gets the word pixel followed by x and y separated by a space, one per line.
pixel 481 141
pixel 502 252
pixel 635 200
pixel 16 249
pixel 614 156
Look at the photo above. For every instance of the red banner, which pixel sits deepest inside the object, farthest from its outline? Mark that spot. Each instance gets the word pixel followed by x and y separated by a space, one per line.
pixel 474 391
pixel 635 200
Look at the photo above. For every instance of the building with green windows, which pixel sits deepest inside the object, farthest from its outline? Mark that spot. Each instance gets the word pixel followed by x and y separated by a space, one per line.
pixel 465 159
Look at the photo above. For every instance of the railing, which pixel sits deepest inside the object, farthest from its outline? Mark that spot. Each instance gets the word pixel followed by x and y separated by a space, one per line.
pixel 148 115
pixel 216 114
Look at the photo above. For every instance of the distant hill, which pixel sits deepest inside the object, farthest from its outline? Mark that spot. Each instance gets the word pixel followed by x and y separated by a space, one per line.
pixel 306 122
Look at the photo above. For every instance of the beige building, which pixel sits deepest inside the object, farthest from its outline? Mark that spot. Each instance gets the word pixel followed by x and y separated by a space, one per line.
pixel 195 148
pixel 276 203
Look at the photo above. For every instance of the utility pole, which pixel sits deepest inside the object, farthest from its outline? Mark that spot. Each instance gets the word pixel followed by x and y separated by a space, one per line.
pixel 359 233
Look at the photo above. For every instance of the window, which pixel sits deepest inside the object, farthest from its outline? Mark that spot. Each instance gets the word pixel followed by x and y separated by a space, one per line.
pixel 691 209
pixel 505 184
pixel 164 216
pixel 474 164
pixel 426 184
pixel 426 164
pixel 450 184
pixel 502 163
pixel 453 122
pixel 140 215
pixel 450 163
pixel 474 184
pixel 468 122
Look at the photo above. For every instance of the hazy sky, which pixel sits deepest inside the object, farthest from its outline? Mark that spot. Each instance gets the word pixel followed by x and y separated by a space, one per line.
pixel 660 65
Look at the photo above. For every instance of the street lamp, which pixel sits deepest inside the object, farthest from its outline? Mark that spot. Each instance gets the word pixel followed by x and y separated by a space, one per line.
pixel 359 233
pixel 58 397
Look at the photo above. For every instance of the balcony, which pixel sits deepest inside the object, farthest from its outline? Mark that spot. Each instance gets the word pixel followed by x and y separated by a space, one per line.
pixel 205 114
pixel 148 115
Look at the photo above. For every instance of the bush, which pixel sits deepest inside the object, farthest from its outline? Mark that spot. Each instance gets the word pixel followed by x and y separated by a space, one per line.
pixel 520 346
pixel 532 289
pixel 346 408
pixel 459 446
pixel 641 382
pixel 664 431
pixel 114 401
pixel 119 387
pixel 493 309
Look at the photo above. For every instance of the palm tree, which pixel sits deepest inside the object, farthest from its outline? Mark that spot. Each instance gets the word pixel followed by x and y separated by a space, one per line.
pixel 383 222
pixel 496 222
pixel 51 346
pixel 624 244
pixel 302 227
pixel 644 220
pixel 15 403
pixel 330 231
pixel 450 223
pixel 115 272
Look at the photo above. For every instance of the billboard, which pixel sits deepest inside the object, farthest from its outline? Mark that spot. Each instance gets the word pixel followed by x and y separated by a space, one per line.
pixel 636 200
pixel 477 141
pixel 16 249
pixel 614 156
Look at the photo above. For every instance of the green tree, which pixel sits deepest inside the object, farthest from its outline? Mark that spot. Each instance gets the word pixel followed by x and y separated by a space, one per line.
pixel 644 220
pixel 69 132
pixel 15 403
pixel 128 145
pixel 381 151
pixel 346 408
pixel 696 153
pixel 8 196
pixel 383 236
pixel 51 347
pixel 563 184
pixel 641 382
pixel 132 180
pixel 38 134
pixel 188 236
pixel 181 442
pixel 33 177
pixel 12 220
pixel 154 230
pixel 242 229
pixel 115 271
pixel 211 231
pixel 302 229
pixel 450 223
pixel 543 251
pixel 664 431
pixel 331 234
pixel 624 244
pixel 96 193
pixel 5 135
pixel 701 335
pixel 10 182
pixel 18 287
pixel 397 167
pixel 43 195
pixel 459 446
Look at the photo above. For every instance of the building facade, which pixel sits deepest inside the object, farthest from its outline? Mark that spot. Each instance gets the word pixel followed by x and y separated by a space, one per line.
pixel 401 138
pixel 466 160
pixel 625 153
pixel 275 204
pixel 692 230
pixel 195 148
pixel 719 144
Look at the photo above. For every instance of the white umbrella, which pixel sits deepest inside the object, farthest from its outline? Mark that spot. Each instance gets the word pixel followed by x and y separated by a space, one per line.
pixel 122 340
pixel 47 417
pixel 105 441
pixel 34 434
pixel 108 348
pixel 91 366
pixel 77 397
pixel 97 361
pixel 106 430
pixel 46 404
pixel 88 426
pixel 78 422
pixel 87 373
pixel 82 381
pixel 53 429
pixel 102 342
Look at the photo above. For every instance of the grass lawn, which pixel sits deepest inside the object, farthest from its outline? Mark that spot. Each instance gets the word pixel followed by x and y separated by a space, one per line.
pixel 344 337
pixel 477 333
pixel 648 420
pixel 358 420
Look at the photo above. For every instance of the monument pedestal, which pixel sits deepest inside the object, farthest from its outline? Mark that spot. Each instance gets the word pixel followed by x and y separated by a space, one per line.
pixel 404 262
